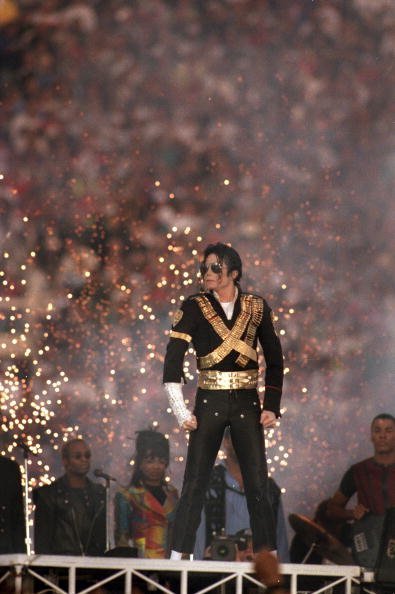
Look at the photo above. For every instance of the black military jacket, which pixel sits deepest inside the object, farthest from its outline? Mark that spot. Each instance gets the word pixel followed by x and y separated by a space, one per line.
pixel 227 345
pixel 57 525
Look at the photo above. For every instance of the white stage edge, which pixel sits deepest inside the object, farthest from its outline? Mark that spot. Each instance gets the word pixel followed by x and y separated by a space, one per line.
pixel 217 573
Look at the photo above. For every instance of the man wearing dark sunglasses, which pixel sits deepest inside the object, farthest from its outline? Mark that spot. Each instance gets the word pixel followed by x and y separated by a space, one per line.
pixel 70 516
pixel 224 325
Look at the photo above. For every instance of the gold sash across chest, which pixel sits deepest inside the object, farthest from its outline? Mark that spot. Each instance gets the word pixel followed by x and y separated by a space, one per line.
pixel 249 318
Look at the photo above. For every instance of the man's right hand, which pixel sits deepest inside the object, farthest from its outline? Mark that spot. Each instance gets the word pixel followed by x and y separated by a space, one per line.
pixel 190 424
pixel 359 511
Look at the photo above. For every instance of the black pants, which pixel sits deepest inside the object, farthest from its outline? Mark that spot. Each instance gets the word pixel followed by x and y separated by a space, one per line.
pixel 215 410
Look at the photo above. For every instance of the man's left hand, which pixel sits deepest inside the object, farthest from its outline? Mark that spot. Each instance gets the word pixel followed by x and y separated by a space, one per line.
pixel 268 419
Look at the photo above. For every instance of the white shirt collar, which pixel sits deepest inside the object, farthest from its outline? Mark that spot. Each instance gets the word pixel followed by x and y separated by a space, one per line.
pixel 228 306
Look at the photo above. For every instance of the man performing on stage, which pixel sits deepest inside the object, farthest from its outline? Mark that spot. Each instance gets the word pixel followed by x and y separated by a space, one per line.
pixel 224 325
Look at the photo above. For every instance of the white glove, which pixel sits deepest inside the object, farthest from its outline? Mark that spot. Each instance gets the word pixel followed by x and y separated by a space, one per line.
pixel 176 401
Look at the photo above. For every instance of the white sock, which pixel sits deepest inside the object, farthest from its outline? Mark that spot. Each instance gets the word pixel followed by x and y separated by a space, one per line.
pixel 191 557
pixel 176 556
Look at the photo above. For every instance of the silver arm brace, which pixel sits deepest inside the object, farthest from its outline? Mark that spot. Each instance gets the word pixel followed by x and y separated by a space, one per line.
pixel 176 401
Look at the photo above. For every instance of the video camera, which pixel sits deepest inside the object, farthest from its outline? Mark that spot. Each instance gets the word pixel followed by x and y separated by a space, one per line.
pixel 225 547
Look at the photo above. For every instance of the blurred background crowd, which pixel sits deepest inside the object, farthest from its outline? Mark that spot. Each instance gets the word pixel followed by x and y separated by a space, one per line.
pixel 133 133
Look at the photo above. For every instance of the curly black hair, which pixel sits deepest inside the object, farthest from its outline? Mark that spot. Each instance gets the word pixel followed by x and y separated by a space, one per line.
pixel 225 254
pixel 149 443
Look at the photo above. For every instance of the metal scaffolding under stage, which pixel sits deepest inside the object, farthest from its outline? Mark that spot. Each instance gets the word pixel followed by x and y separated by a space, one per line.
pixel 170 577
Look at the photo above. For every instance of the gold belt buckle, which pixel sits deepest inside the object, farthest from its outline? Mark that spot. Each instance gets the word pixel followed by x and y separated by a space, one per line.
pixel 228 380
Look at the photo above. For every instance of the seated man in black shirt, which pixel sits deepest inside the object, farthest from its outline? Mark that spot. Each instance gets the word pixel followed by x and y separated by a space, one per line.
pixel 70 516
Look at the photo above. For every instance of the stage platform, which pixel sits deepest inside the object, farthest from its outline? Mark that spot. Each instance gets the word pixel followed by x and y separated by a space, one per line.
pixel 170 577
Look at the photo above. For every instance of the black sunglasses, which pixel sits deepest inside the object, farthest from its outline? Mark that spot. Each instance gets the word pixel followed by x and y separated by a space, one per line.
pixel 216 267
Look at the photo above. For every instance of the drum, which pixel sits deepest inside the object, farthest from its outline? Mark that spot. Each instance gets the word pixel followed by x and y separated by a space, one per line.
pixel 385 565
pixel 366 538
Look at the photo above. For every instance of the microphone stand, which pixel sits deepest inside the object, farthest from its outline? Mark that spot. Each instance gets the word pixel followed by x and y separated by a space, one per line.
pixel 107 478
pixel 309 552
pixel 26 452
pixel 107 487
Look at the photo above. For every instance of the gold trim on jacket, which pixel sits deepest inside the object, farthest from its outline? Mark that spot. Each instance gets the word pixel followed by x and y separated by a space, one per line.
pixel 250 316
